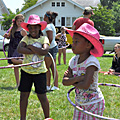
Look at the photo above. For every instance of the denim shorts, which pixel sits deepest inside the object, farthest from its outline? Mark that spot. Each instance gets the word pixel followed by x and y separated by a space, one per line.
pixel 53 52
pixel 27 81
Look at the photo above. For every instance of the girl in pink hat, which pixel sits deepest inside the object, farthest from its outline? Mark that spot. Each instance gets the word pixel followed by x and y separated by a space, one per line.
pixel 34 46
pixel 83 71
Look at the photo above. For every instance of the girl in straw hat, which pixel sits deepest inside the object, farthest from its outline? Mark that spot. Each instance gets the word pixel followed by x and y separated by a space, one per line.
pixel 83 71
pixel 34 46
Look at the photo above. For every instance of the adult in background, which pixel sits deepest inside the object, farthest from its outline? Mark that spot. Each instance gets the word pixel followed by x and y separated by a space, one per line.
pixel 50 32
pixel 88 12
pixel 115 62
pixel 61 45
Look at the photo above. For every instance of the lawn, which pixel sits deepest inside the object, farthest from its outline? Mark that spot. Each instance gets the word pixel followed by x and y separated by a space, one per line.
pixel 60 108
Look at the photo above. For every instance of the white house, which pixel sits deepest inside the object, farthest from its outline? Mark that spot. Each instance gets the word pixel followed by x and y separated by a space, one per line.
pixel 3 9
pixel 68 10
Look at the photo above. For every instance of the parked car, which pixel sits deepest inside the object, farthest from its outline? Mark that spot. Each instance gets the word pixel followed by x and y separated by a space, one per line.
pixel 109 42
pixel 6 43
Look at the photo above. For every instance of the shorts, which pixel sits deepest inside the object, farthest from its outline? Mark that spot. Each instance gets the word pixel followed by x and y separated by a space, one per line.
pixel 96 108
pixel 53 52
pixel 27 81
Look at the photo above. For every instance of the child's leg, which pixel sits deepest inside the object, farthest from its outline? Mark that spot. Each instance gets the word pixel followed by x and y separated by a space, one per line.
pixel 48 62
pixel 64 55
pixel 59 56
pixel 56 77
pixel 45 104
pixel 23 104
pixel 16 72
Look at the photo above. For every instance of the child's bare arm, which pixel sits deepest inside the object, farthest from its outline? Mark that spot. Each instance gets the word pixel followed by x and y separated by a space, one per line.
pixel 68 78
pixel 88 78
pixel 40 51
pixel 58 36
pixel 22 48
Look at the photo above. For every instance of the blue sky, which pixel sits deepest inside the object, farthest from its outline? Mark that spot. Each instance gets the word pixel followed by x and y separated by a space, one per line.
pixel 13 4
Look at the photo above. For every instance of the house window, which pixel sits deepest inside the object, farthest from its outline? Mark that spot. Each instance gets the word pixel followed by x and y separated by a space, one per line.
pixel 73 19
pixel 63 4
pixel 53 4
pixel 58 4
pixel 68 21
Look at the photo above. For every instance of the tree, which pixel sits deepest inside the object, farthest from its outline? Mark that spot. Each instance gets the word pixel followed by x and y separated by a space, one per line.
pixel 7 20
pixel 28 3
pixel 108 3
pixel 116 13
pixel 103 20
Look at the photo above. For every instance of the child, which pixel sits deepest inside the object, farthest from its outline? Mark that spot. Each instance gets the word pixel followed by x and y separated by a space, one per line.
pixel 50 32
pixel 34 47
pixel 83 71
pixel 116 61
pixel 15 35
pixel 61 45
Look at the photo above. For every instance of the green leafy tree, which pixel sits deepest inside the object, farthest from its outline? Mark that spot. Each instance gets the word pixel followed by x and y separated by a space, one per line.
pixel 7 20
pixel 103 20
pixel 108 3
pixel 28 3
pixel 116 13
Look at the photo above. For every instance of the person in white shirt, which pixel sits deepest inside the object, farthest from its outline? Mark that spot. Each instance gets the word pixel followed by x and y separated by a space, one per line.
pixel 50 32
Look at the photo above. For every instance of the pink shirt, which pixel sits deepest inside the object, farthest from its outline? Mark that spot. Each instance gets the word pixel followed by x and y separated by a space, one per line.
pixel 78 22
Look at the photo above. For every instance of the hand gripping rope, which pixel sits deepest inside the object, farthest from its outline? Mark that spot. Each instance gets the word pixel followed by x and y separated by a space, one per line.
pixel 89 113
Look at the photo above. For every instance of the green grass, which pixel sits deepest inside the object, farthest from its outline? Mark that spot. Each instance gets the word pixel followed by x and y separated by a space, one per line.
pixel 60 108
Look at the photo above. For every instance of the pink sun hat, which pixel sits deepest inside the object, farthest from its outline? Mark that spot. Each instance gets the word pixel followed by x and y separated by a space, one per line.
pixel 91 34
pixel 34 20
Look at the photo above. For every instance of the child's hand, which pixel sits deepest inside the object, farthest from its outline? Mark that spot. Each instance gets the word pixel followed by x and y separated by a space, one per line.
pixel 67 74
pixel 111 71
pixel 6 35
pixel 106 73
pixel 29 46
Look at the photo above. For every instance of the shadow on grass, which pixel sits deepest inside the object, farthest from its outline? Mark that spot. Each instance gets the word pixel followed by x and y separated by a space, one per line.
pixel 8 88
